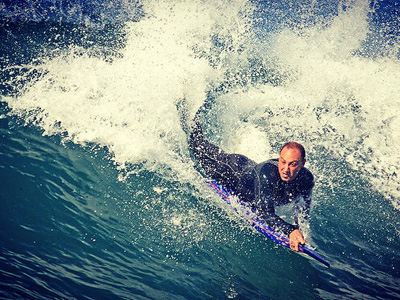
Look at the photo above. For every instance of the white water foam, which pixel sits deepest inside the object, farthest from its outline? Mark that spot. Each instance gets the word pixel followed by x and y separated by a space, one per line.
pixel 328 96
pixel 129 105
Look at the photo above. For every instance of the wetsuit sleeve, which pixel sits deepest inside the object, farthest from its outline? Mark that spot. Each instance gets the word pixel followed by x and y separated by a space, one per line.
pixel 303 204
pixel 301 210
pixel 276 222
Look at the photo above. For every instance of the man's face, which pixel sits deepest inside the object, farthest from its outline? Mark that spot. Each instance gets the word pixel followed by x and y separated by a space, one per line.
pixel 290 164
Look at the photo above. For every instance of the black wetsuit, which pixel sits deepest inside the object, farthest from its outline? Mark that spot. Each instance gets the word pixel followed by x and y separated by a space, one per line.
pixel 258 184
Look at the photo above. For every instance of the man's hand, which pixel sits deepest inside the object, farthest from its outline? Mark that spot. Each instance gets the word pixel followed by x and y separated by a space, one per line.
pixel 296 238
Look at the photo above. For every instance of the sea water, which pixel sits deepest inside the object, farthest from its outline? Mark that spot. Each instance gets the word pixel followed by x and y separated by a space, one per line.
pixel 100 197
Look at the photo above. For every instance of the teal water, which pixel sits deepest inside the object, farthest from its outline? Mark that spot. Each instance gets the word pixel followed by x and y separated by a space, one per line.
pixel 99 196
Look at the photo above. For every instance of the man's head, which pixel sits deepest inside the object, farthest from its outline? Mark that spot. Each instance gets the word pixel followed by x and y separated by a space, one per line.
pixel 292 158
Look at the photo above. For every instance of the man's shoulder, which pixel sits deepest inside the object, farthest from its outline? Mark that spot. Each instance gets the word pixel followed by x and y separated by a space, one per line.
pixel 306 178
pixel 267 168
pixel 269 163
pixel 266 165
pixel 307 173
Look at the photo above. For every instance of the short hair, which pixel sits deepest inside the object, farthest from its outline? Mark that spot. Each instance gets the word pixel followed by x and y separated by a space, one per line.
pixel 294 145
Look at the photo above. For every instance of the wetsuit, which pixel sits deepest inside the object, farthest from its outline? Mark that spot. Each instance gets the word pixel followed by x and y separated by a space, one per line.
pixel 260 185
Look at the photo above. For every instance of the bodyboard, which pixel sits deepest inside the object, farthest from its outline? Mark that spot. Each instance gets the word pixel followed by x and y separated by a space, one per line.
pixel 245 211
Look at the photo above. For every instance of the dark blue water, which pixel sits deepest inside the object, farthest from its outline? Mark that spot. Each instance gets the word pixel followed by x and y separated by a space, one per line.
pixel 99 196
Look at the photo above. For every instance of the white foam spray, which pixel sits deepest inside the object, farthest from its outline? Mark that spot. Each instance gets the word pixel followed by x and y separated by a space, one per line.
pixel 326 94
pixel 129 105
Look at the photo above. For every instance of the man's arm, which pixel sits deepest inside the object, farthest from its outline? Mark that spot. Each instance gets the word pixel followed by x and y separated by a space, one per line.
pixel 301 209
pixel 275 222
pixel 292 231
pixel 301 213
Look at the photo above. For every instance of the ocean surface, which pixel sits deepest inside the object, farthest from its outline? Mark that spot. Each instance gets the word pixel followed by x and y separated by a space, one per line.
pixel 99 195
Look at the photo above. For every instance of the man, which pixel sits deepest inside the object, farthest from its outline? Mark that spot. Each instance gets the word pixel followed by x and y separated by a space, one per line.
pixel 263 186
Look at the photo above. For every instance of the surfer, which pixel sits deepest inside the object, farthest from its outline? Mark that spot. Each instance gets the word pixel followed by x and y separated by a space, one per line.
pixel 263 186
